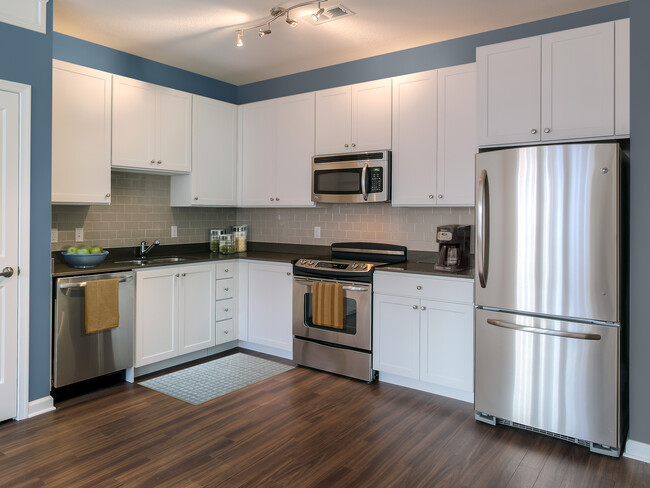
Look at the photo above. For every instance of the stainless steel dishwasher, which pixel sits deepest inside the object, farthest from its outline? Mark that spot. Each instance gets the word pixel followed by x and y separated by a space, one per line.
pixel 79 356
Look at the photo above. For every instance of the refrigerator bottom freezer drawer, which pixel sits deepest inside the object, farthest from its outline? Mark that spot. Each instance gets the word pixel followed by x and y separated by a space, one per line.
pixel 552 375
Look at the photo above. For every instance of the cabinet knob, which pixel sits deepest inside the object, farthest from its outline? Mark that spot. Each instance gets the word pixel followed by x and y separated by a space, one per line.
pixel 277 199
pixel 415 307
pixel 183 274
pixel 159 162
pixel 177 275
pixel 288 273
pixel 533 131
pixel 547 130
pixel 196 198
pixel 440 196
pixel 225 331
pixel 226 289
pixel 431 197
pixel 354 145
pixel 152 162
pixel 346 145
pixel 225 309
pixel 423 308
pixel 226 270
pixel 418 287
pixel 271 198
pixel 108 195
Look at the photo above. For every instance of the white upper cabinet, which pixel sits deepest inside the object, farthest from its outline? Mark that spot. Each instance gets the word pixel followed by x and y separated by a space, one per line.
pixel 434 137
pixel 622 77
pixel 558 86
pixel 509 86
pixel 29 14
pixel 354 118
pixel 578 83
pixel 277 140
pixel 152 127
pixel 81 135
pixel 214 157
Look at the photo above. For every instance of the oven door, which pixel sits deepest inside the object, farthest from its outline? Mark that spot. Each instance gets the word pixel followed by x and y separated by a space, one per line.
pixel 350 182
pixel 356 331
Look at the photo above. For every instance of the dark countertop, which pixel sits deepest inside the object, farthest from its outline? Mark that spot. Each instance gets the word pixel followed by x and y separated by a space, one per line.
pixel 420 262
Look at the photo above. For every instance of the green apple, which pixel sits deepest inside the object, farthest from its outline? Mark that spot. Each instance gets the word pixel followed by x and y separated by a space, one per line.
pixel 72 250
pixel 88 248
pixel 83 250
pixel 96 250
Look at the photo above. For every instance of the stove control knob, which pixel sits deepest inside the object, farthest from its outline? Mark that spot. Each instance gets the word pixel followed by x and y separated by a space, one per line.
pixel 303 261
pixel 311 263
pixel 355 266
pixel 365 266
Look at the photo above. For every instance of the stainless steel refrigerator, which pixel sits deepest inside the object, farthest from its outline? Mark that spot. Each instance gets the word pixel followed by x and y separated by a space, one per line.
pixel 548 291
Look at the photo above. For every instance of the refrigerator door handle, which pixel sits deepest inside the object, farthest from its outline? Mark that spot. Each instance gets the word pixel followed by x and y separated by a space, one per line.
pixel 482 227
pixel 536 330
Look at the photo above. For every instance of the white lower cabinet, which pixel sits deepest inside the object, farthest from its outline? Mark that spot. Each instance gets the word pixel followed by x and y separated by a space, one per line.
pixel 424 337
pixel 175 312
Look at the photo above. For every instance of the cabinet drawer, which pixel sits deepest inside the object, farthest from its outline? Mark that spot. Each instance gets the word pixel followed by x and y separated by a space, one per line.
pixel 224 309
pixel 225 331
pixel 225 270
pixel 422 286
pixel 225 288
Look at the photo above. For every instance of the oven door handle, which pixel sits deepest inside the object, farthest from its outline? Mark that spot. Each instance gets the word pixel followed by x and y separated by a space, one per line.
pixel 354 288
pixel 308 282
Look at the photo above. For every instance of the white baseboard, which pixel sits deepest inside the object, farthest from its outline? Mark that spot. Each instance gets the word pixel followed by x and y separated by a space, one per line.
pixel 42 405
pixel 637 450
pixel 393 379
pixel 273 351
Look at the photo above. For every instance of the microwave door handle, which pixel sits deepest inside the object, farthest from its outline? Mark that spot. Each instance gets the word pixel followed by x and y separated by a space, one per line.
pixel 364 190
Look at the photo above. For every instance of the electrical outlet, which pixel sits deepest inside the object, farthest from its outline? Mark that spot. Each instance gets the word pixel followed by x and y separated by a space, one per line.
pixel 317 232
pixel 79 234
pixel 174 231
pixel 54 235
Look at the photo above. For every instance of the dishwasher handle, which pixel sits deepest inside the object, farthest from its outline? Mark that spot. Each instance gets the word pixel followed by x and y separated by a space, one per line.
pixel 82 284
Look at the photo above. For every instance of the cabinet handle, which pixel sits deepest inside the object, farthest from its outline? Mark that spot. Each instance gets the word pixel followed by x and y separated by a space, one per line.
pixel 423 308
pixel 152 162
pixel 354 145
pixel 183 274
pixel 196 198
pixel 108 195
pixel 415 307
pixel 431 197
pixel 533 131
pixel 159 162
pixel 346 145
pixel 441 196
pixel 418 287
pixel 547 130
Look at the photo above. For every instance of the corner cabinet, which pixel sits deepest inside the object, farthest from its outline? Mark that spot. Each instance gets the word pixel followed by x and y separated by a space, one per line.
pixel 175 312
pixel 212 181
pixel 276 148
pixel 81 135
pixel 152 127
pixel 423 333
pixel 558 86
pixel 438 169
pixel 354 118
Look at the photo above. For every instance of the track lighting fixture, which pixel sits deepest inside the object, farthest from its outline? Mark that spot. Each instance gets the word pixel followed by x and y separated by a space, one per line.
pixel 275 13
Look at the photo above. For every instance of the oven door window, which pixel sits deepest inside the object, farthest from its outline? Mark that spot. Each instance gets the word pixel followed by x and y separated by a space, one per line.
pixel 338 181
pixel 349 315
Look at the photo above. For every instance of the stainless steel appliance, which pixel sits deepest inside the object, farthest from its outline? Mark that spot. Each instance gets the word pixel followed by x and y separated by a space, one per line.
pixel 453 247
pixel 548 291
pixel 351 177
pixel 345 350
pixel 79 356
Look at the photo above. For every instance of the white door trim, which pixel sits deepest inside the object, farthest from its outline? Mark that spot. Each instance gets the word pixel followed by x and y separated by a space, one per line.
pixel 25 93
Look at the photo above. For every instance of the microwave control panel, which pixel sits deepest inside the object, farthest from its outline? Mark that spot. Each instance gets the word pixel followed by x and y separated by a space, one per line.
pixel 376 179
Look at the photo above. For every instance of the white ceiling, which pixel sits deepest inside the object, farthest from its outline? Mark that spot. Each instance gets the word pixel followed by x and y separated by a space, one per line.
pixel 199 35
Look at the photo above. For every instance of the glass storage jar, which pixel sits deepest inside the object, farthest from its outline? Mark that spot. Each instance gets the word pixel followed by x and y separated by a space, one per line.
pixel 214 239
pixel 227 244
pixel 240 232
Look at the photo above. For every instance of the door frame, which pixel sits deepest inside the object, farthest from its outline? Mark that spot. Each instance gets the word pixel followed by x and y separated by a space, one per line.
pixel 25 94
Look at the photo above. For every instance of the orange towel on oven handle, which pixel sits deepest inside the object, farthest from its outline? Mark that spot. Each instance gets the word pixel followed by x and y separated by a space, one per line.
pixel 327 304
pixel 102 305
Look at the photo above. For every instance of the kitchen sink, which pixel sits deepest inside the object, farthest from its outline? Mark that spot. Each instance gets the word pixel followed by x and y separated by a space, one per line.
pixel 141 262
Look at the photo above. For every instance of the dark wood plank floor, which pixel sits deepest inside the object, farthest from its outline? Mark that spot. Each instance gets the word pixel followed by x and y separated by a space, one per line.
pixel 302 428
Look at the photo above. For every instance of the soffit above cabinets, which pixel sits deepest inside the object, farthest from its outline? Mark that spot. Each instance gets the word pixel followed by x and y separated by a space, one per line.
pixel 199 35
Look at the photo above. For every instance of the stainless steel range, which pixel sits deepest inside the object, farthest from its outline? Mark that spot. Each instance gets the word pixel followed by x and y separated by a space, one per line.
pixel 332 307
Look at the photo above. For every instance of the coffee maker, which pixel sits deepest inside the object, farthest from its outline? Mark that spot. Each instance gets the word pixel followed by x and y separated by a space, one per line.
pixel 453 247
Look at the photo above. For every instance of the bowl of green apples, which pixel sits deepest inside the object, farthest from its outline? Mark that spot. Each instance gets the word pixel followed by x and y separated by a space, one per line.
pixel 85 256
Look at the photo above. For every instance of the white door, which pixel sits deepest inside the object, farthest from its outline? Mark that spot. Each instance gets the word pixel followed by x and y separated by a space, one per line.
pixel 174 138
pixel 371 109
pixel 9 183
pixel 415 129
pixel 333 120
pixel 196 308
pixel 578 83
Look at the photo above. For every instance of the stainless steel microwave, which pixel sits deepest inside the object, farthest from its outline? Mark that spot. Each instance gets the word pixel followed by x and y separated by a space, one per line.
pixel 351 177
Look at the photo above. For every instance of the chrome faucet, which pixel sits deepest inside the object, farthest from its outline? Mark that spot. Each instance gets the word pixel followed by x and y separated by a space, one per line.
pixel 144 249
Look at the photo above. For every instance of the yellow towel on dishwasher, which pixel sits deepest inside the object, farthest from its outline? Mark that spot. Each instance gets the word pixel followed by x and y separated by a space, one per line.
pixel 102 305
pixel 327 305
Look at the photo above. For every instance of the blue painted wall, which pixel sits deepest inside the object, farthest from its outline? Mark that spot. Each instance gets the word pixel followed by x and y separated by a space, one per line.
pixel 77 51
pixel 26 57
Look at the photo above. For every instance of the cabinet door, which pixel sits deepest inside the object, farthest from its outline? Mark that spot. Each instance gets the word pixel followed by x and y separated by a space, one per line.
pixel 622 77
pixel 371 116
pixel 333 120
pixel 415 128
pixel 295 149
pixel 457 127
pixel 81 135
pixel 196 307
pixel 269 305
pixel 509 91
pixel 396 335
pixel 258 153
pixel 134 124
pixel 578 83
pixel 212 181
pixel 156 316
pixel 174 130
pixel 447 344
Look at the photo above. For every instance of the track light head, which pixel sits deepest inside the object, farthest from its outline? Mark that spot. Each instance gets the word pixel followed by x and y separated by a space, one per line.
pixel 265 32
pixel 316 15
pixel 240 41
pixel 290 21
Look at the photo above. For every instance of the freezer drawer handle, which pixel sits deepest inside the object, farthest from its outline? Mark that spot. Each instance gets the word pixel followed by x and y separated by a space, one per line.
pixel 536 330
pixel 483 229
pixel 82 284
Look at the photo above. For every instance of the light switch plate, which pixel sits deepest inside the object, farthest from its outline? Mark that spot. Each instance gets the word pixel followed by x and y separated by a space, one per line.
pixel 54 235
pixel 317 232
pixel 79 234
pixel 174 231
